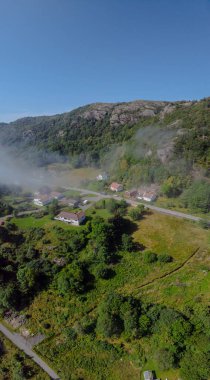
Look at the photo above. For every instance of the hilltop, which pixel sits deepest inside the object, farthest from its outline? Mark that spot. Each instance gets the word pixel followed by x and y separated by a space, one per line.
pixel 89 130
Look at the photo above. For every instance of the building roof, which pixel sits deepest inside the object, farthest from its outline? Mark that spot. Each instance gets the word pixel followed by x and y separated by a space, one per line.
pixel 148 375
pixel 131 192
pixel 71 215
pixel 55 194
pixel 43 197
pixel 115 185
pixel 149 194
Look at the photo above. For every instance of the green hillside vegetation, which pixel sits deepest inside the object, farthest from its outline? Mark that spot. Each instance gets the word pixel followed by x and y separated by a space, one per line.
pixel 127 295
pixel 85 137
pixel 129 290
pixel 162 143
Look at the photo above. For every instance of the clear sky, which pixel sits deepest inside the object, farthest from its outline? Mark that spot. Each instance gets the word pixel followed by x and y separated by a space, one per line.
pixel 56 55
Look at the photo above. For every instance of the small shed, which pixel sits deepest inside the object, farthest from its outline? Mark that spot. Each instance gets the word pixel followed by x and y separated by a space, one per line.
pixel 148 375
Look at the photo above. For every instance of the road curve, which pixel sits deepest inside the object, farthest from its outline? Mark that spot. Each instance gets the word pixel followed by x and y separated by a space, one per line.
pixel 20 342
pixel 161 210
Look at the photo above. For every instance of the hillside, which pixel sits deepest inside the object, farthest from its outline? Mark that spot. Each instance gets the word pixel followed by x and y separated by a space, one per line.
pixel 140 142
pixel 89 130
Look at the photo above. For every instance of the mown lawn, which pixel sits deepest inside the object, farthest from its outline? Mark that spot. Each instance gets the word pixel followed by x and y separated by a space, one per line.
pixel 45 222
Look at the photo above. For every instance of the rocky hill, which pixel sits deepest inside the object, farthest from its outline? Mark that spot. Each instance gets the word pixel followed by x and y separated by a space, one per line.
pixel 89 131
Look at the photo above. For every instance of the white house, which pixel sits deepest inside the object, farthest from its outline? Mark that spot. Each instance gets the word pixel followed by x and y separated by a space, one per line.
pixel 42 200
pixel 75 218
pixel 56 195
pixel 45 199
pixel 102 177
pixel 116 187
pixel 148 196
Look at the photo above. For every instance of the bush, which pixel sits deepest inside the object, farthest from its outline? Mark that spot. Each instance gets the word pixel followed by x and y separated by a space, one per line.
pixel 164 258
pixel 150 257
pixel 204 224
pixel 164 359
pixel 102 271
pixel 197 196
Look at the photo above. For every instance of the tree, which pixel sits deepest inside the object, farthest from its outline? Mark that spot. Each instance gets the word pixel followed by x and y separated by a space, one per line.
pixel 7 297
pixel 26 277
pixel 127 243
pixel 103 271
pixel 164 358
pixel 137 212
pixel 144 325
pixel 103 239
pixel 197 196
pixel 173 186
pixel 53 208
pixel 70 279
pixel 15 212
pixel 109 322
pixel 195 365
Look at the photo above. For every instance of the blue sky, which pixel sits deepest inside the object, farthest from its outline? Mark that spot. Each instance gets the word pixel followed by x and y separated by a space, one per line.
pixel 56 55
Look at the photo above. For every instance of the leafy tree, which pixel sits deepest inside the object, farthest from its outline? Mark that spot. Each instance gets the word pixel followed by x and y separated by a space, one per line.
pixel 164 358
pixel 109 321
pixel 137 212
pixel 197 197
pixel 173 185
pixel 144 325
pixel 102 271
pixel 195 366
pixel 26 277
pixel 7 297
pixel 70 279
pixel 127 243
pixel 53 208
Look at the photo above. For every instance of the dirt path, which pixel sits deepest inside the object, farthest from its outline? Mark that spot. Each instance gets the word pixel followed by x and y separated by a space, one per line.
pixel 169 273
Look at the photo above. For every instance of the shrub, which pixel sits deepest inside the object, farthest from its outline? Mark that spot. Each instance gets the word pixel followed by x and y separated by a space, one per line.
pixel 150 257
pixel 164 258
pixel 164 358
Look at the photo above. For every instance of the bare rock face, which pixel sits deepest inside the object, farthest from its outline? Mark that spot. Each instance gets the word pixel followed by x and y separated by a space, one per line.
pixel 131 113
pixel 123 113
pixel 28 135
pixel 97 111
pixel 165 153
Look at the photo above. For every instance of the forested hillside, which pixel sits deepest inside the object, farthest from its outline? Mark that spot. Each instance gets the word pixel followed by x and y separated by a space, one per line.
pixel 88 132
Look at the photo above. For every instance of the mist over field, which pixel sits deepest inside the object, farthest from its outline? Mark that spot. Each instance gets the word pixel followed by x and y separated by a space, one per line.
pixel 16 171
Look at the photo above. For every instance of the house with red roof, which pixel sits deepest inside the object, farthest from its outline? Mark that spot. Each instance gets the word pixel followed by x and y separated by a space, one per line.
pixel 116 187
